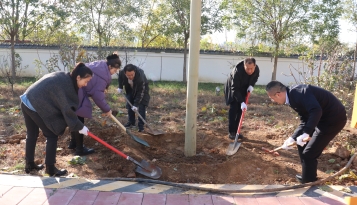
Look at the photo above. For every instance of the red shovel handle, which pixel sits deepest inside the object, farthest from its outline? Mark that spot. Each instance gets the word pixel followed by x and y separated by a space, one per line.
pixel 241 119
pixel 107 145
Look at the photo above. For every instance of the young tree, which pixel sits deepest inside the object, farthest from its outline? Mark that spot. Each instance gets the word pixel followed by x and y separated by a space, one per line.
pixel 176 15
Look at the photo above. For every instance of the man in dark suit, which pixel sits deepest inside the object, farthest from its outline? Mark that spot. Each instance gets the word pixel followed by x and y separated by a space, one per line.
pixel 322 117
pixel 136 86
pixel 240 81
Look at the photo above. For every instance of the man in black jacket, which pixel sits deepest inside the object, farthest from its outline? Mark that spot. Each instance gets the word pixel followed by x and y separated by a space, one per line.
pixel 137 92
pixel 322 117
pixel 240 81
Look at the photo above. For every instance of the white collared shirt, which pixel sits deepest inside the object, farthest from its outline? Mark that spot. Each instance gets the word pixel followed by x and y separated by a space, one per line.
pixel 287 99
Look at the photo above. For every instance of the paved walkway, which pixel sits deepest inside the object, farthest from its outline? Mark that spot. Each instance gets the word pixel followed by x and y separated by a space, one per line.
pixel 33 190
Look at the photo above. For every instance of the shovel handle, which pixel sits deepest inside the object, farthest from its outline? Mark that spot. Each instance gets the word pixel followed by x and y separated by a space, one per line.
pixel 141 117
pixel 293 143
pixel 107 145
pixel 117 121
pixel 241 119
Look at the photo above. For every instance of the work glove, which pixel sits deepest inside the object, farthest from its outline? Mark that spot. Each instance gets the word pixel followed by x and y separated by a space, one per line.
pixel 250 89
pixel 84 130
pixel 243 106
pixel 134 108
pixel 119 90
pixel 299 140
pixel 287 143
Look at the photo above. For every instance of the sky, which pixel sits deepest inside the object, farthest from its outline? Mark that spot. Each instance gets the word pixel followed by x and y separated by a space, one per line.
pixel 346 35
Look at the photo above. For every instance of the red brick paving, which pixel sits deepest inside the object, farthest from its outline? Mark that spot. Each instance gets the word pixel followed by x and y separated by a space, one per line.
pixel 177 199
pixel 107 198
pixel 84 197
pixel 15 195
pixel 154 199
pixel 37 196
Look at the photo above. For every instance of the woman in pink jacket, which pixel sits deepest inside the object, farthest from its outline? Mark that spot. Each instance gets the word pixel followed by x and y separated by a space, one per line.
pixel 102 76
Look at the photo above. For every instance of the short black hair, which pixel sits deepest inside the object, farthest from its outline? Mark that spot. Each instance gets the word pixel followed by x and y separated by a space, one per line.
pixel 249 60
pixel 113 60
pixel 129 68
pixel 275 86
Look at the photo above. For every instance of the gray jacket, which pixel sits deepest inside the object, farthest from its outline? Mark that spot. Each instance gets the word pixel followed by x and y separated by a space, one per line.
pixel 55 100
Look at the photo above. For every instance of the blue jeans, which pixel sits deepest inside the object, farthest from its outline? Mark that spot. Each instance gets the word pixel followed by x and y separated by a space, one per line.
pixel 131 113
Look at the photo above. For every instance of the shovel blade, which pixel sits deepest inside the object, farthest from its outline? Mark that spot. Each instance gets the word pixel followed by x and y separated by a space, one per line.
pixel 137 139
pixel 149 170
pixel 233 148
pixel 155 132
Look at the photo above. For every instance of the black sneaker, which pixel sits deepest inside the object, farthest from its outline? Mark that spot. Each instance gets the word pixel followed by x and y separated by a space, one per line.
pixel 129 125
pixel 141 130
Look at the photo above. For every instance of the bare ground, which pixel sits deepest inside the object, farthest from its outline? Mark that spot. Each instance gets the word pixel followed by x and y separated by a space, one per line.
pixel 265 125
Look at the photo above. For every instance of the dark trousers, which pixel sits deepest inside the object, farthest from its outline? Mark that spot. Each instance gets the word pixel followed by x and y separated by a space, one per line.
pixel 131 113
pixel 33 123
pixel 309 153
pixel 77 138
pixel 234 115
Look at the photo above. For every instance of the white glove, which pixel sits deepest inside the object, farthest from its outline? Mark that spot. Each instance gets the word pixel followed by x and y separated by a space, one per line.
pixel 134 108
pixel 300 138
pixel 84 130
pixel 243 106
pixel 287 143
pixel 250 89
pixel 119 90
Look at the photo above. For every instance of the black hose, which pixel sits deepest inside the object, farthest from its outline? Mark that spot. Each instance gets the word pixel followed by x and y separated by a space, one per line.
pixel 218 190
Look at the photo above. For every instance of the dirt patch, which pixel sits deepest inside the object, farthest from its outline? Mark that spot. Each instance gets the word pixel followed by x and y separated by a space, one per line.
pixel 265 125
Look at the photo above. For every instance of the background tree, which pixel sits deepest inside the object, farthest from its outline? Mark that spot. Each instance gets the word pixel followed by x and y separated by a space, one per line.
pixel 17 19
pixel 350 15
pixel 271 20
pixel 105 18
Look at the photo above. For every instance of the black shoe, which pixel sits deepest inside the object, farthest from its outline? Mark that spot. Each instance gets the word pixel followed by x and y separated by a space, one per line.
pixel 232 136
pixel 84 151
pixel 53 171
pixel 72 145
pixel 129 124
pixel 141 130
pixel 30 166
pixel 299 178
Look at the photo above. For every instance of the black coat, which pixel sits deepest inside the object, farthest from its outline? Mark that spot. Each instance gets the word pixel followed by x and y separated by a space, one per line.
pixel 316 107
pixel 238 82
pixel 140 89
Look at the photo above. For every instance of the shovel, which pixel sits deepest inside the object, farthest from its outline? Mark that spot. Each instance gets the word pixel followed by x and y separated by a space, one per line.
pixel 153 132
pixel 144 167
pixel 275 151
pixel 137 139
pixel 233 147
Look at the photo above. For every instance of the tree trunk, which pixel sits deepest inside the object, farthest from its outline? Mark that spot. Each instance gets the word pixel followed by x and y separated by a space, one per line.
pixel 13 63
pixel 100 54
pixel 354 63
pixel 319 70
pixel 185 59
pixel 273 76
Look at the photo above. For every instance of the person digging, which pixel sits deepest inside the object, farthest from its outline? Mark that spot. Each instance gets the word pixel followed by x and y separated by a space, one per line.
pixel 322 117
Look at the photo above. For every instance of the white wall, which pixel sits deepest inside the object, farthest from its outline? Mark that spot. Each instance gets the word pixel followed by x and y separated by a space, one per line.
pixel 169 66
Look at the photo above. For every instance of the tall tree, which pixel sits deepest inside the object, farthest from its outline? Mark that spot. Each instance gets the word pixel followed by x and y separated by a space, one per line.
pixel 177 21
pixel 274 20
